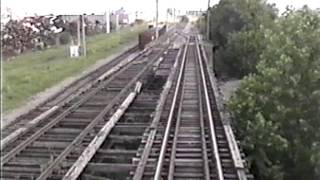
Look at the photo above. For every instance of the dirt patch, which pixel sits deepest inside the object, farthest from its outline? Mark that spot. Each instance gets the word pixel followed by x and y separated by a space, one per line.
pixel 229 87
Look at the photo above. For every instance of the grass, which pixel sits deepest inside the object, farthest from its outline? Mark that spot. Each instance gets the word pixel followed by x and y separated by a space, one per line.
pixel 31 73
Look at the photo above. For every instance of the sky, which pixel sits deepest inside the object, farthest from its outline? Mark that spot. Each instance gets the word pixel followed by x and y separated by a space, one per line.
pixel 22 8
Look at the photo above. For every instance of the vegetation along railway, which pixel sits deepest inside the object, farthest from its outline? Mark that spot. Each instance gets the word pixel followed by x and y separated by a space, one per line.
pixel 148 114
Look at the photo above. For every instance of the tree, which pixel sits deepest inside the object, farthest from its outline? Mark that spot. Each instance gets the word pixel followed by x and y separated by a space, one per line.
pixel 242 52
pixel 231 16
pixel 226 17
pixel 277 109
pixel 236 29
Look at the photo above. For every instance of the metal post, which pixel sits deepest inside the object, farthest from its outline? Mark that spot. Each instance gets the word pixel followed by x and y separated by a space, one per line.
pixel 208 21
pixel 157 14
pixel 84 36
pixel 107 22
pixel 117 22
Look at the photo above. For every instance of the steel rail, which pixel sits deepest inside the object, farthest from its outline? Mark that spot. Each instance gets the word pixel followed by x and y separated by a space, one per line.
pixel 52 123
pixel 153 127
pixel 175 137
pixel 20 131
pixel 73 88
pixel 203 138
pixel 157 175
pixel 176 132
pixel 47 172
pixel 114 62
pixel 77 168
pixel 210 118
pixel 235 152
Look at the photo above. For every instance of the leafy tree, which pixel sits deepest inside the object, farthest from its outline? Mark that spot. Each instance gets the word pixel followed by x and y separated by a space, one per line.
pixel 231 16
pixel 236 28
pixel 242 52
pixel 201 24
pixel 226 17
pixel 277 109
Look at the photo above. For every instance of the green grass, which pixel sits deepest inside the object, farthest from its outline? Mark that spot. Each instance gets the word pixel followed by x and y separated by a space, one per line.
pixel 31 73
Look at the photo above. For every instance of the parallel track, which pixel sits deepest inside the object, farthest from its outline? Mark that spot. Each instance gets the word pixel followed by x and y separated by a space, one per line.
pixel 188 151
pixel 189 140
pixel 114 158
pixel 65 95
pixel 41 150
pixel 115 130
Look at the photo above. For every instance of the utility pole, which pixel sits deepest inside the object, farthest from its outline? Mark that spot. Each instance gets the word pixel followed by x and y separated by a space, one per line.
pixel 208 21
pixel 167 17
pixel 84 36
pixel 174 15
pixel 157 14
pixel 78 31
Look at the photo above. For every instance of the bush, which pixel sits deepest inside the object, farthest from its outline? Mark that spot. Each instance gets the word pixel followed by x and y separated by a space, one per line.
pixel 277 109
pixel 242 52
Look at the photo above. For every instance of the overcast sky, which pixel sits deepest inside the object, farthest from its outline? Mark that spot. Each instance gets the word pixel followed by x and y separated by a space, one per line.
pixel 42 7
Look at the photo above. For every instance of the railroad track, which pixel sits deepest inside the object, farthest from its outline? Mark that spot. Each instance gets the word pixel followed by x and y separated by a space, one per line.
pixel 113 160
pixel 188 140
pixel 65 95
pixel 43 151
pixel 117 129
pixel 50 107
